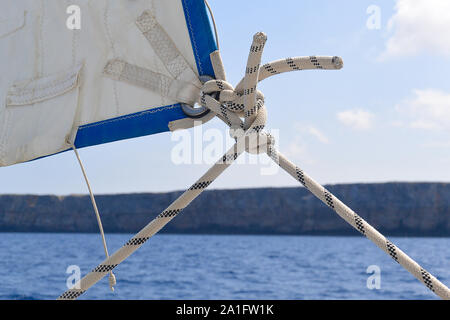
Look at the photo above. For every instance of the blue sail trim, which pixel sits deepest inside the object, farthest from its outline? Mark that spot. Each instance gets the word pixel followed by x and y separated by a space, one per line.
pixel 129 126
pixel 156 120
pixel 200 32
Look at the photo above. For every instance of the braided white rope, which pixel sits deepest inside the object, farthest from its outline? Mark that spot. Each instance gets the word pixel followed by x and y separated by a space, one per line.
pixel 361 225
pixel 251 107
pixel 155 225
pixel 246 100
pixel 254 105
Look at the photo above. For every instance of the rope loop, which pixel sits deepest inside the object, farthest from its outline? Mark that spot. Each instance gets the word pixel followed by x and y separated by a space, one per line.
pixel 242 107
pixel 242 110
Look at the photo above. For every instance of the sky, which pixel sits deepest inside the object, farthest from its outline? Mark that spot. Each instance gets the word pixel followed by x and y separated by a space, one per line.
pixel 384 117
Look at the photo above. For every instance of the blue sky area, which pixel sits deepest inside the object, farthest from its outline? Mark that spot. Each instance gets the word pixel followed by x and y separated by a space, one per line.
pixel 384 117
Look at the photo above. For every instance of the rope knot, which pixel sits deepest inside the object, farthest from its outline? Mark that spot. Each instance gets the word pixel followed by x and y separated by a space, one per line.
pixel 229 104
pixel 242 107
pixel 245 101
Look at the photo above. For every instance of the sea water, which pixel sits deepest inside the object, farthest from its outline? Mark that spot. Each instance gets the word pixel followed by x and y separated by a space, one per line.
pixel 39 266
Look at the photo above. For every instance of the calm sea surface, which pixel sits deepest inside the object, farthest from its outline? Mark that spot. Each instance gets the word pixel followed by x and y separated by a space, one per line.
pixel 33 266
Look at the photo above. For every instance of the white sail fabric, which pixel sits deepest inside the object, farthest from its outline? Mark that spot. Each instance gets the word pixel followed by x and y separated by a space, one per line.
pixel 53 86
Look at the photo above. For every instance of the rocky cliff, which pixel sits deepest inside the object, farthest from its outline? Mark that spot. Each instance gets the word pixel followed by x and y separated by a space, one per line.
pixel 412 209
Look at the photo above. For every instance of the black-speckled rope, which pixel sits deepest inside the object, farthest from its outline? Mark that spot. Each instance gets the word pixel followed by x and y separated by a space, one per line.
pixel 154 226
pixel 246 100
pixel 253 105
pixel 360 224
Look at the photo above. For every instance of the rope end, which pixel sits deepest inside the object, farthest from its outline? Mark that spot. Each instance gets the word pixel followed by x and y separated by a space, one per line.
pixel 112 281
pixel 260 38
pixel 337 62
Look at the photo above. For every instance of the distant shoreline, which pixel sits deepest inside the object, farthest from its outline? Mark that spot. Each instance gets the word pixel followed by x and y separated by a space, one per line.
pixel 356 235
pixel 395 209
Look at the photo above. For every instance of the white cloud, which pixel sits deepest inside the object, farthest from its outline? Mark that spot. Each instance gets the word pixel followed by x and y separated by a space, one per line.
pixel 357 119
pixel 417 26
pixel 428 109
pixel 312 131
pixel 317 134
pixel 298 144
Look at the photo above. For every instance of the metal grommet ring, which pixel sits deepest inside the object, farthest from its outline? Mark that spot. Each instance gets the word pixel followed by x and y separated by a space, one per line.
pixel 193 112
pixel 198 112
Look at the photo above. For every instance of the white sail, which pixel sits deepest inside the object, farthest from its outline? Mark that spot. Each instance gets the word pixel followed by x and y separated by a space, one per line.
pixel 56 88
